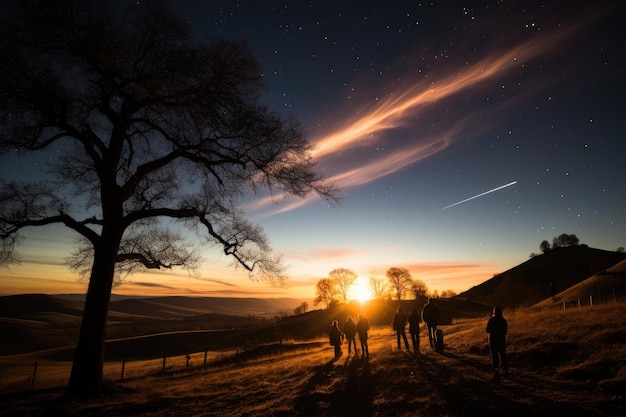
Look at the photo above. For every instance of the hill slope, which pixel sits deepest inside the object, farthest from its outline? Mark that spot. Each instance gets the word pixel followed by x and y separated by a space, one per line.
pixel 607 285
pixel 528 283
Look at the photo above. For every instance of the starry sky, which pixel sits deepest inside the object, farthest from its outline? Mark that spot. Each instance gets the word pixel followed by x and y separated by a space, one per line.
pixel 461 134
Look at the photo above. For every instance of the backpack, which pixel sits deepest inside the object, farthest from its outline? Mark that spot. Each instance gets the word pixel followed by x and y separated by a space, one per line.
pixel 439 341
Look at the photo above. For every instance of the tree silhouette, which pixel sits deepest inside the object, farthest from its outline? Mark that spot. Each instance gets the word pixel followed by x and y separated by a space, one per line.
pixel 344 280
pixel 418 288
pixel 378 287
pixel 400 280
pixel 544 246
pixel 325 292
pixel 302 308
pixel 154 130
pixel 564 240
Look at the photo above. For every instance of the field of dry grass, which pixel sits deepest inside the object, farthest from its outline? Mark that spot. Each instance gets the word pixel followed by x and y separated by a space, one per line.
pixel 570 362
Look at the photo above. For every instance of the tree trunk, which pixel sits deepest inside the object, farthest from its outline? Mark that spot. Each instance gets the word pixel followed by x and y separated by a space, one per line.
pixel 86 377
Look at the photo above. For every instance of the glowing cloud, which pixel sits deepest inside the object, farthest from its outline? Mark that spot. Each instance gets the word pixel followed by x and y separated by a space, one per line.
pixel 399 111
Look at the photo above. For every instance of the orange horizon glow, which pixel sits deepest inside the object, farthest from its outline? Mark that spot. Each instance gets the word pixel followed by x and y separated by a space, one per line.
pixel 458 277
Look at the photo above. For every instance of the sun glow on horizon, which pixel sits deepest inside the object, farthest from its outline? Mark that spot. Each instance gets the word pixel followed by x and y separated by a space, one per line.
pixel 361 291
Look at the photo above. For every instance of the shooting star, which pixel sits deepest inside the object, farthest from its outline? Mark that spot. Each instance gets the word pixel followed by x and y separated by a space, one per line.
pixel 480 195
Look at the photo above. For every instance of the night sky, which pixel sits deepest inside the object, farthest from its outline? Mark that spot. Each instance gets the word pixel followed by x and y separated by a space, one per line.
pixel 416 108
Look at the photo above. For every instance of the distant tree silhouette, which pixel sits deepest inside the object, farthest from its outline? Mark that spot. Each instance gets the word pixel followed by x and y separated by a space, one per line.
pixel 400 281
pixel 544 246
pixel 564 240
pixel 418 288
pixel 620 249
pixel 344 280
pixel 378 287
pixel 325 292
pixel 152 130
pixel 302 308
pixel 448 293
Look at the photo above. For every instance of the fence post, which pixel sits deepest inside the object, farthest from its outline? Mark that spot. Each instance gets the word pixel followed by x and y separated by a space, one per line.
pixel 579 303
pixel 188 357
pixel 163 370
pixel 590 299
pixel 563 305
pixel 32 382
pixel 123 366
pixel 205 353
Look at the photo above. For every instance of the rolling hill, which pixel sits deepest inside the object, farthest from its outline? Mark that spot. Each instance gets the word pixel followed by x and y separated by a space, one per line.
pixel 31 322
pixel 604 286
pixel 528 283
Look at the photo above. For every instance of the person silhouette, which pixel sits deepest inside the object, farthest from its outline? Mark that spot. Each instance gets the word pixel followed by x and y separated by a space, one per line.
pixel 349 330
pixel 497 328
pixel 399 325
pixel 414 329
pixel 362 327
pixel 335 337
pixel 430 315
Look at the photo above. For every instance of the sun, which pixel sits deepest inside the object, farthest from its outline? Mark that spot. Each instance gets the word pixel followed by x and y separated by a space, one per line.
pixel 361 291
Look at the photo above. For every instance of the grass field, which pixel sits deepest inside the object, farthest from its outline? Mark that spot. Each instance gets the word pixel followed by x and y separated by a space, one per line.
pixel 563 362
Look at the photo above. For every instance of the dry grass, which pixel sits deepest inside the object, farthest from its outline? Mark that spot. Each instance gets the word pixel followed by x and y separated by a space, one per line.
pixel 562 363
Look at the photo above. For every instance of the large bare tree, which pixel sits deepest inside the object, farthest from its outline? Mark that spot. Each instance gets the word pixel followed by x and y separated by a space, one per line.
pixel 154 129
pixel 400 280
pixel 325 292
pixel 344 280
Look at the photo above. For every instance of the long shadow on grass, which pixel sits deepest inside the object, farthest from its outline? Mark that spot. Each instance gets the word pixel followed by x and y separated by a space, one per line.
pixel 340 387
pixel 466 391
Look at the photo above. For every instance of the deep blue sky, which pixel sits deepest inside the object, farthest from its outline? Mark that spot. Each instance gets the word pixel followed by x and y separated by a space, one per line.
pixel 416 106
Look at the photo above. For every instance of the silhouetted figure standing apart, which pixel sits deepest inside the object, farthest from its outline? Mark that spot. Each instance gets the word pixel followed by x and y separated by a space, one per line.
pixel 414 329
pixel 349 330
pixel 335 337
pixel 399 324
pixel 497 328
pixel 552 291
pixel 430 315
pixel 362 327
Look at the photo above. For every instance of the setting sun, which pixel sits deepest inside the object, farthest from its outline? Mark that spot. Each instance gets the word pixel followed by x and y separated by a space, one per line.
pixel 361 290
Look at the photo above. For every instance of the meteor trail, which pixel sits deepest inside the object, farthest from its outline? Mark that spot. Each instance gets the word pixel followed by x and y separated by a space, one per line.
pixel 480 195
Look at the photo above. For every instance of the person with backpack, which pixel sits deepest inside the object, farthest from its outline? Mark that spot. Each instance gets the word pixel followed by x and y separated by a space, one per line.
pixel 497 328
pixel 414 329
pixel 349 330
pixel 430 315
pixel 335 337
pixel 362 327
pixel 399 325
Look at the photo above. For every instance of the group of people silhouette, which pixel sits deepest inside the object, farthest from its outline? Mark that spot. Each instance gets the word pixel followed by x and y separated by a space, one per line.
pixel 429 315
pixel 497 328
pixel 350 329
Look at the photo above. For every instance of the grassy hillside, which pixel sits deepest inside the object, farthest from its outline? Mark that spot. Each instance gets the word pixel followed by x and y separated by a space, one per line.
pixel 528 283
pixel 607 285
pixel 563 362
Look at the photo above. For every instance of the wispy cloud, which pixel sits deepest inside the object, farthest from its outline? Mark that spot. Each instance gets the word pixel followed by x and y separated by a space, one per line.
pixel 367 131
pixel 149 285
